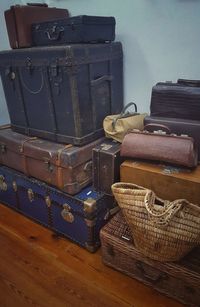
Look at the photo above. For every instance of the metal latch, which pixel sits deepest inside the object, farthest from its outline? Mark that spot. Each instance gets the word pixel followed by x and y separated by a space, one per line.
pixel 48 201
pixel 30 195
pixel 49 165
pixel 66 214
pixel 2 148
pixel 3 184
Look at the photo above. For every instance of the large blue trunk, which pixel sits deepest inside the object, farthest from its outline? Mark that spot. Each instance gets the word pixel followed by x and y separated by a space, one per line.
pixel 78 217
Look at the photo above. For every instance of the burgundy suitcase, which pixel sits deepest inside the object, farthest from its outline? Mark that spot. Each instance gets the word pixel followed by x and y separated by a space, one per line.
pixel 19 19
pixel 180 280
pixel 178 100
pixel 106 165
pixel 178 126
pixel 66 167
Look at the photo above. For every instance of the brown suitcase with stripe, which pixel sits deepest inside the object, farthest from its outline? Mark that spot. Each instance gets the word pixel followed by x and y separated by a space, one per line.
pixel 66 167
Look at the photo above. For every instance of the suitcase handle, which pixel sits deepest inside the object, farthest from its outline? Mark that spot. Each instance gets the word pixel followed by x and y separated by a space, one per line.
pixel 53 34
pixel 148 277
pixel 101 79
pixel 189 82
pixel 161 127
pixel 37 4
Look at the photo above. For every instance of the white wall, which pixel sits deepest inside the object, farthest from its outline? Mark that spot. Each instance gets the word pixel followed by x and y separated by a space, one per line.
pixel 160 40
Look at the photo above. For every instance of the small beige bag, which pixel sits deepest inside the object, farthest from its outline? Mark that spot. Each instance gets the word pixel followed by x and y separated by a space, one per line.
pixel 116 126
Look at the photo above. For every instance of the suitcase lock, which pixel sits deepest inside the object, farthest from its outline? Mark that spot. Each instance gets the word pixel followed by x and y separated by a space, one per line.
pixel 2 148
pixel 66 214
pixel 30 195
pixel 3 185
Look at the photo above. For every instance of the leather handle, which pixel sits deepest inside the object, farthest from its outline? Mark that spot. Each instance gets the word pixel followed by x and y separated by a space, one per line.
pixel 160 126
pixel 101 79
pixel 189 82
pixel 54 33
pixel 37 4
pixel 148 277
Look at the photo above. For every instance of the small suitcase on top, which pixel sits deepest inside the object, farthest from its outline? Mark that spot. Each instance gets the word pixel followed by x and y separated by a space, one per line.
pixel 179 280
pixel 67 167
pixel 176 100
pixel 63 93
pixel 20 17
pixel 78 29
pixel 79 217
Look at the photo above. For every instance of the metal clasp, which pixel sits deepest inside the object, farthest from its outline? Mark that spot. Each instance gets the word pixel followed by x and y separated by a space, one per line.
pixel 66 214
pixel 48 201
pixel 30 195
pixel 3 184
pixel 2 148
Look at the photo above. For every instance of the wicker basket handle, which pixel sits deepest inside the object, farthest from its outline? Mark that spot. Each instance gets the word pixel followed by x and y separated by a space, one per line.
pixel 169 208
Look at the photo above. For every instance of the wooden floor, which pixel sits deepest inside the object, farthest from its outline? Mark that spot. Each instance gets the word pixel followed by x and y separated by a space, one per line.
pixel 39 269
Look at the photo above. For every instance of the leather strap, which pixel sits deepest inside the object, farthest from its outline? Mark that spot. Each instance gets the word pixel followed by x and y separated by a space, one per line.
pixel 24 156
pixel 59 171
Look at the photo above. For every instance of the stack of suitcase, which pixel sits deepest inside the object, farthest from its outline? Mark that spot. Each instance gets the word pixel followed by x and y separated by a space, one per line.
pixel 177 107
pixel 58 92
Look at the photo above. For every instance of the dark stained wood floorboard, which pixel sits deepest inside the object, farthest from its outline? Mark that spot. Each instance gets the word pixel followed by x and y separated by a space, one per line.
pixel 38 268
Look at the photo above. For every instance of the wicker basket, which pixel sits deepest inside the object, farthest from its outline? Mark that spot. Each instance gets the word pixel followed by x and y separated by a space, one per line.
pixel 162 230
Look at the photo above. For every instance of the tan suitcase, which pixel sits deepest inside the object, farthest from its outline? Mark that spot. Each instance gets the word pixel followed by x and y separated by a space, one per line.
pixel 166 181
pixel 67 167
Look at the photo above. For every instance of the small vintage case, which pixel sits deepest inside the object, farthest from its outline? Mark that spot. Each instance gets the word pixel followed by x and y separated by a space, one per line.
pixel 159 146
pixel 106 165
pixel 180 280
pixel 78 29
pixel 78 218
pixel 179 126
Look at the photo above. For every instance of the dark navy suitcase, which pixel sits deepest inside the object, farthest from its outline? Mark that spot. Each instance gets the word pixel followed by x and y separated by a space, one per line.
pixel 63 93
pixel 78 217
pixel 78 29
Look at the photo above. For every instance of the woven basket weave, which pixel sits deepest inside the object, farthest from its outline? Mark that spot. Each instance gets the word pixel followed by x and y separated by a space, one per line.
pixel 162 230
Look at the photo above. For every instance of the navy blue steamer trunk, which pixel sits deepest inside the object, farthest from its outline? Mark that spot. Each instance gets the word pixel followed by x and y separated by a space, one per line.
pixel 79 217
pixel 63 93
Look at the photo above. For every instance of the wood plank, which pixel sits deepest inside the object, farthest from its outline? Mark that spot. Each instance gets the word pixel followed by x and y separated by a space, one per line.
pixel 41 269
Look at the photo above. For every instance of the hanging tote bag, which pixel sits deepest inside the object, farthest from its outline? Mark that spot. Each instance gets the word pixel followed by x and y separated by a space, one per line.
pixel 162 230
pixel 116 126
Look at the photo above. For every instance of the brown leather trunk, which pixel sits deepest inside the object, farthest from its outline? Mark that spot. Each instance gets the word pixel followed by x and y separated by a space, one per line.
pixel 66 167
pixel 20 17
pixel 180 280
pixel 106 165
pixel 166 181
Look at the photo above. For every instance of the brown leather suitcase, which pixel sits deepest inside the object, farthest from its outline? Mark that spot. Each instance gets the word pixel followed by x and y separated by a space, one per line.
pixel 66 167
pixel 178 126
pixel 179 280
pixel 106 165
pixel 159 146
pixel 166 181
pixel 19 19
